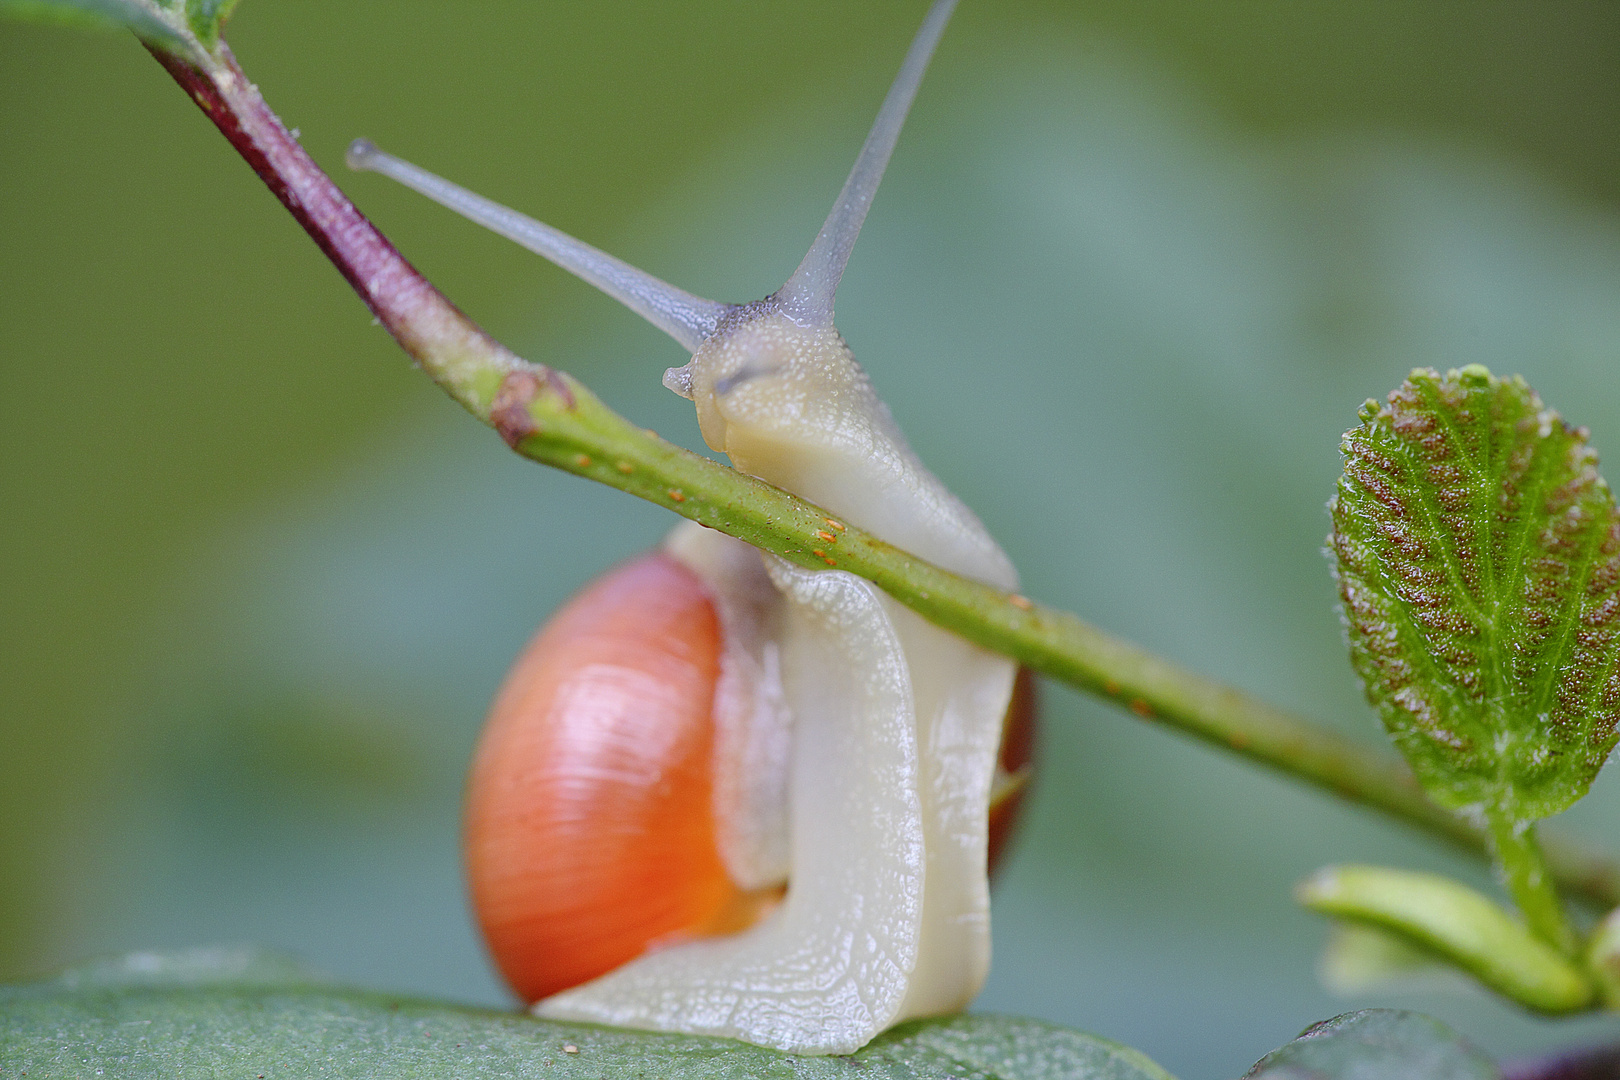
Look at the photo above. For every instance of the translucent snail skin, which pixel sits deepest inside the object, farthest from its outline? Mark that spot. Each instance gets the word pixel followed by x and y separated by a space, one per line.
pixel 826 756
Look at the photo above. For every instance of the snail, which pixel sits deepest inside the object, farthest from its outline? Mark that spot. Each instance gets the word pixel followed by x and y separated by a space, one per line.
pixel 720 794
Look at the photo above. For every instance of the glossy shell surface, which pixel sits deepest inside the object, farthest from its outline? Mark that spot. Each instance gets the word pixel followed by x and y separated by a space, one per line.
pixel 589 827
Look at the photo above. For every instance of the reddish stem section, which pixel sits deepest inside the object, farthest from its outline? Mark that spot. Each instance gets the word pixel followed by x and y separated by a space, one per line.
pixel 424 322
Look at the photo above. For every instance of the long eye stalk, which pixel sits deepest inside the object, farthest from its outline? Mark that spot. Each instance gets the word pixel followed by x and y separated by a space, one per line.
pixel 808 294
pixel 807 297
pixel 686 318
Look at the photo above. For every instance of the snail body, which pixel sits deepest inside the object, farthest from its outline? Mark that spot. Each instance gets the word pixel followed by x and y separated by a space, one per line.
pixel 851 746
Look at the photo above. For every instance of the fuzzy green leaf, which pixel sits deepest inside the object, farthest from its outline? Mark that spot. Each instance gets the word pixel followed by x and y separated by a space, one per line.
pixel 1377 1044
pixel 231 1013
pixel 207 18
pixel 162 22
pixel 148 20
pixel 1478 560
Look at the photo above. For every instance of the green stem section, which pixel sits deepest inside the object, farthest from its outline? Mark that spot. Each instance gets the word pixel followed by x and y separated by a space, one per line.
pixel 552 418
pixel 1524 869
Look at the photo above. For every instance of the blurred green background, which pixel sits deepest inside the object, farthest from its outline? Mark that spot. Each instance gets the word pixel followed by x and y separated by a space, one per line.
pixel 1136 264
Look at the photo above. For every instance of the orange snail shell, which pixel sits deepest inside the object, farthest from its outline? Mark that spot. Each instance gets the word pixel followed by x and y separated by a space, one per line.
pixel 590 833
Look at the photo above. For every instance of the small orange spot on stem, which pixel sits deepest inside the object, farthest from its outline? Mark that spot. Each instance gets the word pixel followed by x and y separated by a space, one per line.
pixel 818 553
pixel 839 525
pixel 583 460
pixel 677 494
pixel 1141 708
pixel 822 534
pixel 1022 603
pixel 625 467
pixel 1111 688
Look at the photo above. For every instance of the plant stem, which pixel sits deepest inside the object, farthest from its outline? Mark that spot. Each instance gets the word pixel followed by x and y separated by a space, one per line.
pixel 551 417
pixel 1523 868
pixel 451 348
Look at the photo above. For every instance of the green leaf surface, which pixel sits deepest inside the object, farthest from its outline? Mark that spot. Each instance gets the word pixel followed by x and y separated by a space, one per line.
pixel 162 22
pixel 1478 560
pixel 239 1013
pixel 1377 1044
pixel 146 19
pixel 207 18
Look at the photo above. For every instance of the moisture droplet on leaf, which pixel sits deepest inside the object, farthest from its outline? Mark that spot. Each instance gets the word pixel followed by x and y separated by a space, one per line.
pixel 1477 552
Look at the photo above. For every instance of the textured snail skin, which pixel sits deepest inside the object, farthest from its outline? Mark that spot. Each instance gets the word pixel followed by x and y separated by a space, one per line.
pixel 895 729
